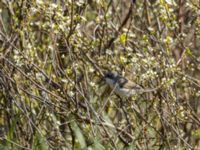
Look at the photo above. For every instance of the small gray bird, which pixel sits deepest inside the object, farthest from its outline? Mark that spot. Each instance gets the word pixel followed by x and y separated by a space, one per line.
pixel 122 86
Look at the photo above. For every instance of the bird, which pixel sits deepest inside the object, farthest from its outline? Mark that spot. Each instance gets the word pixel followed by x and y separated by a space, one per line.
pixel 122 86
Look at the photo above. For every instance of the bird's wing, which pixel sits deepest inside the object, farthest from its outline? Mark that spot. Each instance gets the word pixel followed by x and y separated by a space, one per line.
pixel 132 85
pixel 128 84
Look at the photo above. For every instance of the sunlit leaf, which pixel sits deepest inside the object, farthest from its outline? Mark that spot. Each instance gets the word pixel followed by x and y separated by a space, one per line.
pixel 123 39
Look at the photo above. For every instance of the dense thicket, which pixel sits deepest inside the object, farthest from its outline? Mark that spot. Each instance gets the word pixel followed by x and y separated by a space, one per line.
pixel 53 54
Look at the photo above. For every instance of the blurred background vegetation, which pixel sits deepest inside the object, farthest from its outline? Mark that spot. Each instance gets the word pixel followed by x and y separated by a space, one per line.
pixel 53 54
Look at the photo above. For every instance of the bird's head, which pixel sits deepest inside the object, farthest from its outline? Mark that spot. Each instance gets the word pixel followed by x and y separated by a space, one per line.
pixel 111 75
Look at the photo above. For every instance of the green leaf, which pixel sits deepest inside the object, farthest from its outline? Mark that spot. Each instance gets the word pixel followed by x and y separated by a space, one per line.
pixel 196 133
pixel 188 51
pixel 123 38
pixel 79 135
pixel 97 145
pixel 39 142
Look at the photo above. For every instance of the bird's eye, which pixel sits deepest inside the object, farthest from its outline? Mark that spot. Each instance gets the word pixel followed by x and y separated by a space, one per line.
pixel 109 75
